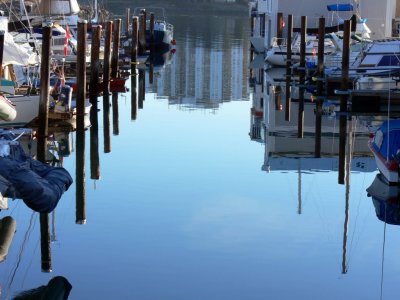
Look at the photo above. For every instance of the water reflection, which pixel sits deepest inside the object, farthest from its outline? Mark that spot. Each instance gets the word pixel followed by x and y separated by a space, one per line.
pixel 58 288
pixel 386 200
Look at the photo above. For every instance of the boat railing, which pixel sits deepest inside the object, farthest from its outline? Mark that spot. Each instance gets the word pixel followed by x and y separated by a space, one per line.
pixel 279 42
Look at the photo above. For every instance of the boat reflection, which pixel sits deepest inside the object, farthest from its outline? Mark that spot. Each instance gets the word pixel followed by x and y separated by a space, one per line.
pixel 58 288
pixel 8 227
pixel 386 200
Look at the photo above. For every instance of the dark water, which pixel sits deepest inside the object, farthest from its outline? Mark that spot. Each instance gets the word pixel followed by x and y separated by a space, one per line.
pixel 184 207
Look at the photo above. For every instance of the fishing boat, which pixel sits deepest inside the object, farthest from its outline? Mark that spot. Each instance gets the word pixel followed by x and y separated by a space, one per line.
pixel 385 145
pixel 163 32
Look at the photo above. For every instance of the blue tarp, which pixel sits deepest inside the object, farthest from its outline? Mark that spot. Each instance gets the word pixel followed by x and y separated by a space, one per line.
pixel 390 144
pixel 340 7
pixel 39 185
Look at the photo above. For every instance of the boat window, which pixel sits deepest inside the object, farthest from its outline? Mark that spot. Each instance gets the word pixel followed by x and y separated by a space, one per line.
pixel 378 139
pixel 389 60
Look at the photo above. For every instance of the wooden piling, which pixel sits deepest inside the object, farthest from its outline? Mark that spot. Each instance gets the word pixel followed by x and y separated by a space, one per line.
pixel 320 85
pixel 343 101
pixel 127 20
pixel 135 40
pixel 2 33
pixel 115 113
pixel 81 75
pixel 115 51
pixel 45 240
pixel 289 67
pixel 80 191
pixel 94 64
pixel 302 75
pixel 279 28
pixel 106 123
pixel 44 94
pixel 107 57
pixel 151 73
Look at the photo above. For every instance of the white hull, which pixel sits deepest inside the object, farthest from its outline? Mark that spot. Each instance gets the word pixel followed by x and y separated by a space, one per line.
pixel 7 110
pixel 392 177
pixel 27 108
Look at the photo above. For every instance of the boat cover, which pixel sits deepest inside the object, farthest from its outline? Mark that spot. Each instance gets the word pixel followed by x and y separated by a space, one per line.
pixel 387 139
pixel 340 7
pixel 39 185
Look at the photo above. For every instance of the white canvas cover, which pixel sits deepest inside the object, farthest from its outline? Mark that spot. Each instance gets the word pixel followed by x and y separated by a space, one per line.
pixel 58 7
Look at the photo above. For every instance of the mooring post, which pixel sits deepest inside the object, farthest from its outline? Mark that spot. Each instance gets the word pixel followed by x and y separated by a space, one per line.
pixel 115 51
pixel 107 57
pixel 45 240
pixel 44 91
pixel 115 113
pixel 106 123
pixel 279 28
pixel 302 75
pixel 95 64
pixel 2 33
pixel 289 67
pixel 81 75
pixel 320 86
pixel 344 86
pixel 127 20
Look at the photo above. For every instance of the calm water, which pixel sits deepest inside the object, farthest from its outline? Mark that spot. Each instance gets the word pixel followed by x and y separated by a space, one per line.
pixel 183 208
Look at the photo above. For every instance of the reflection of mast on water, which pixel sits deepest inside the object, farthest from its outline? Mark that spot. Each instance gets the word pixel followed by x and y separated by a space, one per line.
pixel 299 188
pixel 347 203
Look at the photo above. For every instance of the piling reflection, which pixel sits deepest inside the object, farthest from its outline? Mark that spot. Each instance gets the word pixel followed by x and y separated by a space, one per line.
pixel 106 123
pixel 80 178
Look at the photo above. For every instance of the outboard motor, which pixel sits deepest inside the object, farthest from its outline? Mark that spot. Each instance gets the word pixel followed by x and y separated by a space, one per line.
pixel 65 97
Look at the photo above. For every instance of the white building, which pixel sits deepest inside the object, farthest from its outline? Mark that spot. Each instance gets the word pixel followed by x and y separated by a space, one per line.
pixel 380 15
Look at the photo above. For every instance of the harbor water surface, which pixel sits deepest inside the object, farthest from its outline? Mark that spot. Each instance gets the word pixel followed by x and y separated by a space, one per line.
pixel 184 208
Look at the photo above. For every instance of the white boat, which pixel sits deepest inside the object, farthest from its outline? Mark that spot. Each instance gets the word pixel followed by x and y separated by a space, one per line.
pixel 277 54
pixel 163 37
pixel 7 109
pixel 27 108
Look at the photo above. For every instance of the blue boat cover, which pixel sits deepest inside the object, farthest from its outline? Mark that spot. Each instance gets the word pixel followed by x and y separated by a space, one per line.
pixel 340 7
pixel 39 185
pixel 389 142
